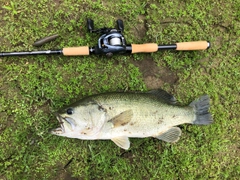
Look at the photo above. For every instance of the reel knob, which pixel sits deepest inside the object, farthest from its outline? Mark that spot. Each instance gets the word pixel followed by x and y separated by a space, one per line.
pixel 120 25
pixel 90 25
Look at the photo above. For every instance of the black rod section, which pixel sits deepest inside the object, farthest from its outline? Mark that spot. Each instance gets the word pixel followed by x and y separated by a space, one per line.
pixel 23 53
pixel 128 48
pixel 170 46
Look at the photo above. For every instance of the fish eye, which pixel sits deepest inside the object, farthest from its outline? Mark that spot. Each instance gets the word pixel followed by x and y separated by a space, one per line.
pixel 70 111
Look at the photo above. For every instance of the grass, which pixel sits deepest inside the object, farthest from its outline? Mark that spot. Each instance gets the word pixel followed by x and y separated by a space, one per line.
pixel 32 88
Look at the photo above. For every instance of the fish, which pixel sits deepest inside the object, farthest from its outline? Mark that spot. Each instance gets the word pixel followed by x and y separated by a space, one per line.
pixel 119 116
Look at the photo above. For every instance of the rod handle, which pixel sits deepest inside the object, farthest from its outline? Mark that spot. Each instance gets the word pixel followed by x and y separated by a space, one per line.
pixel 76 51
pixel 195 45
pixel 144 48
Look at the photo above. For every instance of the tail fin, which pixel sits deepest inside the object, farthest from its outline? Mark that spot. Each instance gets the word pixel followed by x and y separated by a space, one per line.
pixel 201 107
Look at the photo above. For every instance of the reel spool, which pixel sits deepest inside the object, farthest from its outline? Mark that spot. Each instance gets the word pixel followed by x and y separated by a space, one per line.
pixel 115 41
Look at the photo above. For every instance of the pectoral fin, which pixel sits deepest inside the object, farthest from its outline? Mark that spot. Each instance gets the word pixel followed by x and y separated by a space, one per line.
pixel 172 135
pixel 122 142
pixel 122 119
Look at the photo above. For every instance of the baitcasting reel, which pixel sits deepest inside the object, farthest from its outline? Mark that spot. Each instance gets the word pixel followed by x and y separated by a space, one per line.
pixel 111 41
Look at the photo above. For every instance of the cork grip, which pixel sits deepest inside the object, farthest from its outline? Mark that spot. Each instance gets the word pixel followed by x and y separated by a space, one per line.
pixel 76 51
pixel 144 48
pixel 195 45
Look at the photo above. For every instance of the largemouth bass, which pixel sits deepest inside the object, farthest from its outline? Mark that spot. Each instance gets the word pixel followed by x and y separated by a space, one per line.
pixel 118 116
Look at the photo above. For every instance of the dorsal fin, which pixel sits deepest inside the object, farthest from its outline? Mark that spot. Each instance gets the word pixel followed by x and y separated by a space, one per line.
pixel 163 96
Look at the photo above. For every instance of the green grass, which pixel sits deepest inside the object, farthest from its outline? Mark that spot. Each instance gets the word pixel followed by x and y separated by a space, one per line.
pixel 32 88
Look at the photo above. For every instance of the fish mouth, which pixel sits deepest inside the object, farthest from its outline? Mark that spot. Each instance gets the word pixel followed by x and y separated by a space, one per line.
pixel 67 124
pixel 61 129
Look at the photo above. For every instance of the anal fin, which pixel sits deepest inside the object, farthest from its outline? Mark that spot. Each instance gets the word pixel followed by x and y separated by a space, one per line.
pixel 122 142
pixel 171 135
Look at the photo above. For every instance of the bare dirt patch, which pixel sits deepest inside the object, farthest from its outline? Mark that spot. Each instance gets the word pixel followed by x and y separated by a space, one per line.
pixel 154 76
pixel 140 28
pixel 64 175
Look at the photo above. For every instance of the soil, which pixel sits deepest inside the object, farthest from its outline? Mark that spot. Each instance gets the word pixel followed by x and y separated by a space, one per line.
pixel 154 76
pixel 64 175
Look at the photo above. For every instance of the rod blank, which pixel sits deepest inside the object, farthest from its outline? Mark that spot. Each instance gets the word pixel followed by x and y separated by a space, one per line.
pixel 24 53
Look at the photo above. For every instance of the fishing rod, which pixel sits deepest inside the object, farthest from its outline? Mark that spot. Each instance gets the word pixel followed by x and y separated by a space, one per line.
pixel 110 42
